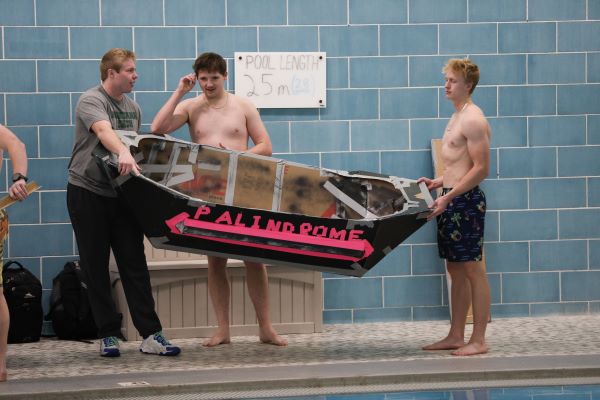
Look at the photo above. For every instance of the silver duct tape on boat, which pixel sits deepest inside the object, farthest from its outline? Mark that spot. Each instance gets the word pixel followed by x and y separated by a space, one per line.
pixel 358 211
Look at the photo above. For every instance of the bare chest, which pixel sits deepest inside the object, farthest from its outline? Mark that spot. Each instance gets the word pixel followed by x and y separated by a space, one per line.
pixel 217 126
pixel 454 143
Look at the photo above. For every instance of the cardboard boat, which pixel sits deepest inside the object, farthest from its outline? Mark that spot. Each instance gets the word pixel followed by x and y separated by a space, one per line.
pixel 207 200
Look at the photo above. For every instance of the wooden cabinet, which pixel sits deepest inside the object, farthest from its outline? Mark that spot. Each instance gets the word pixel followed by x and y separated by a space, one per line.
pixel 180 289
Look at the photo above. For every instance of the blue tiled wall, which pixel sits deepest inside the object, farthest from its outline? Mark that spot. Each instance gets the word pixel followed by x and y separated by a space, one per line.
pixel 540 89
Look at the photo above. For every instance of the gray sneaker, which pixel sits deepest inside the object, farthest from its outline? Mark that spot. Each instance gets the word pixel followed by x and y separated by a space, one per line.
pixel 158 344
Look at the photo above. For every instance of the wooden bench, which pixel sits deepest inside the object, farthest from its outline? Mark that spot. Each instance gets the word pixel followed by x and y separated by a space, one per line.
pixel 180 288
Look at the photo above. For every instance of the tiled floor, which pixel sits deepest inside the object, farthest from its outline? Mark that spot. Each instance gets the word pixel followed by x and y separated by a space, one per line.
pixel 573 338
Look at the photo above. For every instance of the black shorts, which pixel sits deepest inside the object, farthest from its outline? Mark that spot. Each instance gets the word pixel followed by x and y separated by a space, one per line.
pixel 460 227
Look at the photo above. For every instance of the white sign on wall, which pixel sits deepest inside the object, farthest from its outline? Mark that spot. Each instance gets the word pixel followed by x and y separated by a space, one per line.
pixel 281 79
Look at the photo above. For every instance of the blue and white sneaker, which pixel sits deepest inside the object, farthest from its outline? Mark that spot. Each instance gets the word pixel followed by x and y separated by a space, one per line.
pixel 109 347
pixel 158 344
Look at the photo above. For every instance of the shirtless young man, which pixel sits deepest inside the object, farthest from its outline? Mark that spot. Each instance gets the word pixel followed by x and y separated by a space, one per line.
pixel 460 210
pixel 218 118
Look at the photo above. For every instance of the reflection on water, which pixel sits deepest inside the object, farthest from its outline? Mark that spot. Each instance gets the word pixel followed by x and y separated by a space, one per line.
pixel 575 392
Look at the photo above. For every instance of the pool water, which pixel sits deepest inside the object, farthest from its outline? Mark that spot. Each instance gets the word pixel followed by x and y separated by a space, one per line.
pixel 574 392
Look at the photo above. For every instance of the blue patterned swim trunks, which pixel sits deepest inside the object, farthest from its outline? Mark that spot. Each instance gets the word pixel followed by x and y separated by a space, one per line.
pixel 460 227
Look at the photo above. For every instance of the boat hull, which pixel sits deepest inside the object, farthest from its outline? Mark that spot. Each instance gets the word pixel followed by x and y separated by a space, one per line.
pixel 173 219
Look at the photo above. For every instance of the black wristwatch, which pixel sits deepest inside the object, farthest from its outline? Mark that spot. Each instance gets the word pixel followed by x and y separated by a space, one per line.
pixel 19 176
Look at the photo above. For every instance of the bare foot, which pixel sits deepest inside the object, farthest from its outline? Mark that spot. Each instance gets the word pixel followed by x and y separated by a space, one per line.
pixel 470 349
pixel 445 344
pixel 217 339
pixel 273 338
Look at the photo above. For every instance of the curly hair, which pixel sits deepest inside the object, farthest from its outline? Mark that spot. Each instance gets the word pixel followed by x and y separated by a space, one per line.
pixel 466 68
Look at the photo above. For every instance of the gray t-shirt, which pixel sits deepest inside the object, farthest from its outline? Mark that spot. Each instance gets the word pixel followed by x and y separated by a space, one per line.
pixel 96 105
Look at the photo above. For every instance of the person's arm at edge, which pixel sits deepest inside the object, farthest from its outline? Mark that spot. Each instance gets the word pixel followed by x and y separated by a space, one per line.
pixel 172 114
pixel 18 158
pixel 111 141
pixel 257 131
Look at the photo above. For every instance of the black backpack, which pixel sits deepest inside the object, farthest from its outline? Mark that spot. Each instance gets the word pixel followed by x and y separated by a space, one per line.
pixel 23 293
pixel 70 310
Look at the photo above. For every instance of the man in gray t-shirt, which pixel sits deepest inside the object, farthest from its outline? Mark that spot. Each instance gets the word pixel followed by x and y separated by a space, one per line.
pixel 95 105
pixel 101 219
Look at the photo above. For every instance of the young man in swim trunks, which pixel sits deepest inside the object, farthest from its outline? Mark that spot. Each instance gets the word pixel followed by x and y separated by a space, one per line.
pixel 221 119
pixel 460 209
pixel 17 190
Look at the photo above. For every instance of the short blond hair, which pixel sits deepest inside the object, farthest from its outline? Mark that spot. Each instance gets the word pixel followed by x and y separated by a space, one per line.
pixel 466 68
pixel 113 59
